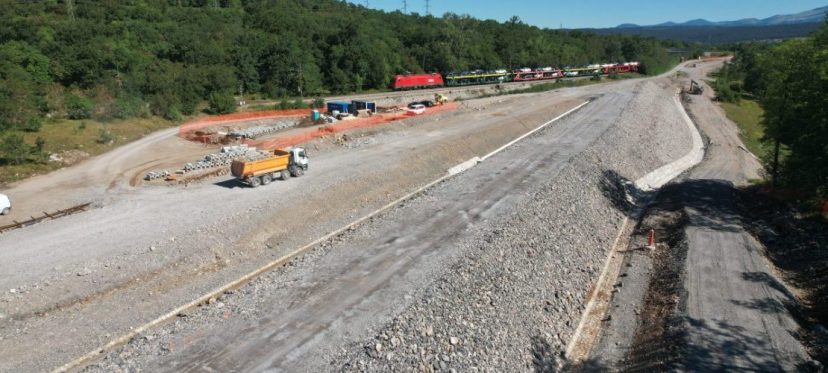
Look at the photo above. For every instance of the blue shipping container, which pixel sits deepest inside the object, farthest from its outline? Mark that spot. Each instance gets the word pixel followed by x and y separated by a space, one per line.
pixel 340 106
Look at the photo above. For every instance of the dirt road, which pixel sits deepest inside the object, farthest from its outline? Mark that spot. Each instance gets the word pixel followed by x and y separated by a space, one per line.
pixel 735 310
pixel 713 303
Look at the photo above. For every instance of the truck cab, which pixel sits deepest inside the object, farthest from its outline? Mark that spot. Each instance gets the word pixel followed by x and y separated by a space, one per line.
pixel 299 158
pixel 5 204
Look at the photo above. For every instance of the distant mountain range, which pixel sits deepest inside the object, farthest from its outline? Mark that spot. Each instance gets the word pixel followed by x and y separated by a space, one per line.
pixel 774 28
pixel 810 16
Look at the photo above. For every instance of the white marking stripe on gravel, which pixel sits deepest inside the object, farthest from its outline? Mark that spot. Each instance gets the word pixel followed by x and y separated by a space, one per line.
pixel 510 143
pixel 277 262
pixel 664 174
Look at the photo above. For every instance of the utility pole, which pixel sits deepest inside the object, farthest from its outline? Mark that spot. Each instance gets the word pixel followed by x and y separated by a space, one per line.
pixel 428 7
pixel 405 6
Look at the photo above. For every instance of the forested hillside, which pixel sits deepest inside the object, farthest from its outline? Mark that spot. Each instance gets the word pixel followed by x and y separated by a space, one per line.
pixel 715 34
pixel 111 59
pixel 789 80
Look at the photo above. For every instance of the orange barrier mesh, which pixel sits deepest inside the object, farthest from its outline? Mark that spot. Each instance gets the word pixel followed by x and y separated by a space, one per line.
pixel 190 127
pixel 295 137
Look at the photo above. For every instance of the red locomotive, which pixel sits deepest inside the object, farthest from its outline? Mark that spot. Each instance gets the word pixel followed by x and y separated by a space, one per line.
pixel 417 81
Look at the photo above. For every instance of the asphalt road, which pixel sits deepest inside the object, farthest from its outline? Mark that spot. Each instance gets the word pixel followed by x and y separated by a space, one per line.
pixel 735 311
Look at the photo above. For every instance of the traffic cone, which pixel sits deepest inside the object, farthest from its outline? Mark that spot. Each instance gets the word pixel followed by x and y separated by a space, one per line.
pixel 651 239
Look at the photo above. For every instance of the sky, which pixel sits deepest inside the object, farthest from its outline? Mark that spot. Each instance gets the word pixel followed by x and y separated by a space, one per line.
pixel 603 13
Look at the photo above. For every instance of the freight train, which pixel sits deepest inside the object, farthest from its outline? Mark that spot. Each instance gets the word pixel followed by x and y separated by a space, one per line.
pixel 435 80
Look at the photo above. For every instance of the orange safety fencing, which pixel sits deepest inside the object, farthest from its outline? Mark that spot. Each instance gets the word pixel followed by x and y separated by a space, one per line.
pixel 307 134
pixel 188 128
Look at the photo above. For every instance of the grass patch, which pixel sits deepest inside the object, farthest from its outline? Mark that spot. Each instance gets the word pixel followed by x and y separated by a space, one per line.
pixel 748 116
pixel 88 136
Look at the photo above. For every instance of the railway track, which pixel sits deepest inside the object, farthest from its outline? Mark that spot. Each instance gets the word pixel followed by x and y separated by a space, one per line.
pixel 46 216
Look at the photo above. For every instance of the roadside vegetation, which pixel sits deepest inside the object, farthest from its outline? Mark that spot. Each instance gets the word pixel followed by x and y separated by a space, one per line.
pixel 776 92
pixel 123 64
pixel 748 114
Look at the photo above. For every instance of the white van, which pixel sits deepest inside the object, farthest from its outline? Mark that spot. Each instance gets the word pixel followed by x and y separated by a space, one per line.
pixel 5 204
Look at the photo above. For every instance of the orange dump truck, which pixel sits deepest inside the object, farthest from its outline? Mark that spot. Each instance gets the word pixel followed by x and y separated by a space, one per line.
pixel 282 164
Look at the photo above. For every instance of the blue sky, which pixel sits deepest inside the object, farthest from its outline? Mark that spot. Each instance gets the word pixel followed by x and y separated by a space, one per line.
pixel 605 13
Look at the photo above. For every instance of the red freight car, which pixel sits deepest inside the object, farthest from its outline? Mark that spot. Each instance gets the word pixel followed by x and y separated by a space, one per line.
pixel 415 81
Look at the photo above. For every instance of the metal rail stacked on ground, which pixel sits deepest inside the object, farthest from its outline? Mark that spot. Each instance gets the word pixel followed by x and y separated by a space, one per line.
pixel 46 215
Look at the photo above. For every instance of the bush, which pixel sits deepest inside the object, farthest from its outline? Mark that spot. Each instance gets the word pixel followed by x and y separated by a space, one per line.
pixel 284 104
pixel 299 104
pixel 33 124
pixel 725 93
pixel 79 107
pixel 105 137
pixel 14 149
pixel 318 103
pixel 173 113
pixel 221 103
pixel 129 106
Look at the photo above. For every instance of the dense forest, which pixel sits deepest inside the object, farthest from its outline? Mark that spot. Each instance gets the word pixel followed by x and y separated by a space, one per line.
pixel 790 81
pixel 110 59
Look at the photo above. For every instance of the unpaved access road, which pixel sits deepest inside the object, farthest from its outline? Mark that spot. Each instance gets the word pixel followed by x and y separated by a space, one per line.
pixel 735 307
pixel 714 302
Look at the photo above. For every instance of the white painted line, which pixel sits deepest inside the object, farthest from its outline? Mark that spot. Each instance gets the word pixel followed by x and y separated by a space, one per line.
pixel 464 166
pixel 590 307
pixel 498 150
pixel 664 174
pixel 123 339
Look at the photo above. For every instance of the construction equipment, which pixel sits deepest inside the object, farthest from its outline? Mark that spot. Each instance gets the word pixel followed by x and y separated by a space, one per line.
pixel 695 88
pixel 282 164
pixel 440 99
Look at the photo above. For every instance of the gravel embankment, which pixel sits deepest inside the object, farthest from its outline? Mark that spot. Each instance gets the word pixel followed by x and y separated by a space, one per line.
pixel 515 297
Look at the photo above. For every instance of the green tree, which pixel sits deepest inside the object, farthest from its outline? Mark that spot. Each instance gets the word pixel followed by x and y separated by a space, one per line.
pixel 14 149
pixel 221 103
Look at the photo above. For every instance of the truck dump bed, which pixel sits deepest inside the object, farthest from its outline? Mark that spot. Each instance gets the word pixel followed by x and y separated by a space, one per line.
pixel 279 161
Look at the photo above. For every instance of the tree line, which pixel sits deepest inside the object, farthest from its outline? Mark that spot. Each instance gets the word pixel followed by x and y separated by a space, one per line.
pixel 790 81
pixel 81 59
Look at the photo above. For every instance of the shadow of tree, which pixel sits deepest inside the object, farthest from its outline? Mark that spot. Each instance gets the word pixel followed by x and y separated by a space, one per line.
pixel 797 246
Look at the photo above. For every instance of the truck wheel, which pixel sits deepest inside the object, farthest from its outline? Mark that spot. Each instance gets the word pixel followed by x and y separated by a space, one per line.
pixel 285 175
pixel 5 211
pixel 266 179
pixel 299 171
pixel 255 182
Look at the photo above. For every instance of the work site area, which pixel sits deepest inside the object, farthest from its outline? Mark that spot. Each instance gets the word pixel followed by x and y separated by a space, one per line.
pixel 579 229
